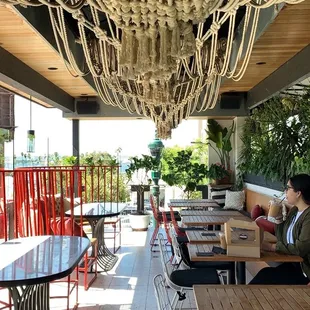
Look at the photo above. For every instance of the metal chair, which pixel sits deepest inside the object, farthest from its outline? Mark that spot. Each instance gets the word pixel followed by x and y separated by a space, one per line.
pixel 182 280
pixel 175 224
pixel 161 293
pixel 159 218
pixel 225 269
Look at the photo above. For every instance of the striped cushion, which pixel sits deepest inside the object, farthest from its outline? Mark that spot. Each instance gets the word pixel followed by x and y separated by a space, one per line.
pixel 219 195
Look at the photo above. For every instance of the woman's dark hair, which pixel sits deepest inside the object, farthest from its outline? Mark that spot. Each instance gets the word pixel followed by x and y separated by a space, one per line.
pixel 301 183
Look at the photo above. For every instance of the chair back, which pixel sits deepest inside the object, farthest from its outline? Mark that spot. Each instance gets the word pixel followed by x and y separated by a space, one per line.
pixel 177 250
pixel 161 293
pixel 164 256
pixel 175 224
pixel 167 226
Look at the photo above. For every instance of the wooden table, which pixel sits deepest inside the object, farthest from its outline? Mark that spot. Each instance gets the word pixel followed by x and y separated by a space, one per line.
pixel 193 220
pixel 193 203
pixel 29 264
pixel 240 261
pixel 196 236
pixel 248 297
pixel 209 213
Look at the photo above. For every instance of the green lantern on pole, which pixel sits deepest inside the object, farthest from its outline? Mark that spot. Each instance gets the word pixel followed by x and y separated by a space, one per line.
pixel 156 147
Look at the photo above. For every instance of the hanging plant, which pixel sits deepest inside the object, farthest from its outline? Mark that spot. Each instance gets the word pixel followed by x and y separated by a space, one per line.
pixel 276 139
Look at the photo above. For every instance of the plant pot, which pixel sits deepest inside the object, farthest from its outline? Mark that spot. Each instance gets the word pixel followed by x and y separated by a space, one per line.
pixel 139 222
pixel 225 180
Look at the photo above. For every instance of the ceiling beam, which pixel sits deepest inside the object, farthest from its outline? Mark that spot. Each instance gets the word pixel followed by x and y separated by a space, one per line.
pixel 17 74
pixel 294 70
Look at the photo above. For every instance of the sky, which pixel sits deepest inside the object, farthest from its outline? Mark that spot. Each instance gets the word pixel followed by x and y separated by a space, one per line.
pixel 51 129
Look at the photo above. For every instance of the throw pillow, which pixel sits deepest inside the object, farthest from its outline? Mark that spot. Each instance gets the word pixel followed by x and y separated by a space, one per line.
pixel 219 194
pixel 256 212
pixel 234 200
pixel 266 225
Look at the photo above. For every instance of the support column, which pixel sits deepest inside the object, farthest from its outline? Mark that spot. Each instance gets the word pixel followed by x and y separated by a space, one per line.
pixel 76 150
pixel 239 121
pixel 76 139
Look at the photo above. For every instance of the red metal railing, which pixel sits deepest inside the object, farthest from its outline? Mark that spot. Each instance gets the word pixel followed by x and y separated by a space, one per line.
pixel 5 204
pixel 42 195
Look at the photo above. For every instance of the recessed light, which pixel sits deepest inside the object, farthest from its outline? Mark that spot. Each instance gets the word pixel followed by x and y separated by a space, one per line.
pixel 52 68
pixel 260 63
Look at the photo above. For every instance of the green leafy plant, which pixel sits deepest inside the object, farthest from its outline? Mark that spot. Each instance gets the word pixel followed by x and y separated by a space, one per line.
pixel 183 172
pixel 217 171
pixel 139 168
pixel 276 138
pixel 69 160
pixel 221 138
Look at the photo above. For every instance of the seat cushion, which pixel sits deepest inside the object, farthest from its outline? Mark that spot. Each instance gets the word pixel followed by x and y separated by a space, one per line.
pixel 182 239
pixel 216 265
pixel 190 277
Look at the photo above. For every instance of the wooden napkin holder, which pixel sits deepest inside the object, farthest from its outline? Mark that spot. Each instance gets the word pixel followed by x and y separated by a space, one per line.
pixel 240 247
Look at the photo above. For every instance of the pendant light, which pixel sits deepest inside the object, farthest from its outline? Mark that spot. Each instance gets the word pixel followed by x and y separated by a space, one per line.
pixel 30 134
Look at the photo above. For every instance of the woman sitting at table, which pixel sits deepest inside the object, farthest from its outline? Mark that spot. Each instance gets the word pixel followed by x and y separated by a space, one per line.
pixel 293 237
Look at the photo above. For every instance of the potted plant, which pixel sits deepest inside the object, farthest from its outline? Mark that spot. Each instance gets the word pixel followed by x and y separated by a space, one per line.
pixel 138 175
pixel 222 146
pixel 217 172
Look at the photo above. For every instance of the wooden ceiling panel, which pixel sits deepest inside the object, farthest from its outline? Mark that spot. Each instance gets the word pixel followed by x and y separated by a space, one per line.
pixel 284 38
pixel 22 41
pixel 289 33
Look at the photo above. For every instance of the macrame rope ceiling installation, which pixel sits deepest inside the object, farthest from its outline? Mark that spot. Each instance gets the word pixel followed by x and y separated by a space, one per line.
pixel 158 58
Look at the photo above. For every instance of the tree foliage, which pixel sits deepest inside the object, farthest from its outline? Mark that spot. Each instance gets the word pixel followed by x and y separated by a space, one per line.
pixel 139 168
pixel 276 138
pixel 183 171
pixel 98 159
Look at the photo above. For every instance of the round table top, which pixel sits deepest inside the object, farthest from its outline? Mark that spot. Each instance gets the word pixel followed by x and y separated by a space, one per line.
pixel 99 209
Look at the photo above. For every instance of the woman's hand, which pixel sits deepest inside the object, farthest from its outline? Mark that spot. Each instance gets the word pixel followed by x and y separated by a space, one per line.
pixel 269 247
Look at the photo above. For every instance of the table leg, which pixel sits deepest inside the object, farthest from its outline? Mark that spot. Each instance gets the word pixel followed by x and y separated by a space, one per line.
pixel 106 259
pixel 34 297
pixel 240 272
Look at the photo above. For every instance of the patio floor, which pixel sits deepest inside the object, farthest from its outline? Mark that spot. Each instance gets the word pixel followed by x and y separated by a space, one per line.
pixel 129 285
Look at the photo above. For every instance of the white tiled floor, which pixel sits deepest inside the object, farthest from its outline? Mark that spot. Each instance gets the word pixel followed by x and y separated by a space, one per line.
pixel 129 285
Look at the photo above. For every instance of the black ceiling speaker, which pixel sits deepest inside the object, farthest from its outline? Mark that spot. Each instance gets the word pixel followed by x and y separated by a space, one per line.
pixel 232 100
pixel 7 118
pixel 87 107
